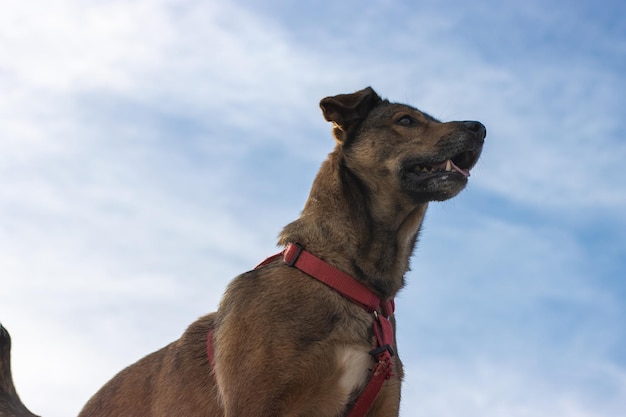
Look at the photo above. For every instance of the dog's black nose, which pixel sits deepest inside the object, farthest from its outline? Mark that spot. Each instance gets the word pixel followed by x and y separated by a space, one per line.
pixel 477 128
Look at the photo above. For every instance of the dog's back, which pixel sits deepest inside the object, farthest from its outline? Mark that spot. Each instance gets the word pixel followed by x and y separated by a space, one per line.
pixel 173 381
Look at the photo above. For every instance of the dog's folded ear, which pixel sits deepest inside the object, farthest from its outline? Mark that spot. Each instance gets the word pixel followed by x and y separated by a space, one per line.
pixel 345 110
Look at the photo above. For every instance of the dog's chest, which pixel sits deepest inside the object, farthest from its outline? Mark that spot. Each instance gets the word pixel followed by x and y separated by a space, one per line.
pixel 354 365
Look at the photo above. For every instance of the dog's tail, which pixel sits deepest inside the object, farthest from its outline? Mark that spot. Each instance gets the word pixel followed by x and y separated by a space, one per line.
pixel 10 403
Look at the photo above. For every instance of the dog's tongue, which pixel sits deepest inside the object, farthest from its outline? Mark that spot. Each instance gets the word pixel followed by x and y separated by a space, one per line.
pixel 449 166
pixel 465 172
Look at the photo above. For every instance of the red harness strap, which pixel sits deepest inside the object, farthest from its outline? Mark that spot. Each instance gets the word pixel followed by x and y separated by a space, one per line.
pixel 356 292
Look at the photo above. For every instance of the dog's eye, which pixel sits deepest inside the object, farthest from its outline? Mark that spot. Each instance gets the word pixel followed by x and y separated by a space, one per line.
pixel 406 120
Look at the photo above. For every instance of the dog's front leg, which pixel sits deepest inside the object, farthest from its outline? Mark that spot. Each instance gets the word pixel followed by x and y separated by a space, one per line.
pixel 276 385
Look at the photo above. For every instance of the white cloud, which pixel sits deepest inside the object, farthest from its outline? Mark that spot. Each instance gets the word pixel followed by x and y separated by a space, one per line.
pixel 558 146
pixel 126 130
pixel 64 46
pixel 187 58
pixel 487 388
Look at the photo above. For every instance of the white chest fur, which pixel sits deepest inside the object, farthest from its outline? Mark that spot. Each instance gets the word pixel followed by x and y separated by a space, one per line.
pixel 354 365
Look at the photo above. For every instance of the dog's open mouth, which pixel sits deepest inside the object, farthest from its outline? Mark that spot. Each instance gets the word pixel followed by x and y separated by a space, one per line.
pixel 439 177
pixel 461 163
pixel 446 166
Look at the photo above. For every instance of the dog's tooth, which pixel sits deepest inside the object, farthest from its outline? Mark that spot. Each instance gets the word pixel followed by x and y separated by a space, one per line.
pixel 448 165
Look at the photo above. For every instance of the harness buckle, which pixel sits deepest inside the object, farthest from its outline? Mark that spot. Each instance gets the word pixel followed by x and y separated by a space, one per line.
pixel 381 350
pixel 289 256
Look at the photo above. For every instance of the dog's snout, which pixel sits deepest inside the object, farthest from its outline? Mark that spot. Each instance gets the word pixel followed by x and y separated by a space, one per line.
pixel 477 128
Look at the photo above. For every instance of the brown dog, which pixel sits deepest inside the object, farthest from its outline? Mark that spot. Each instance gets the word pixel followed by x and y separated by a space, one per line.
pixel 283 343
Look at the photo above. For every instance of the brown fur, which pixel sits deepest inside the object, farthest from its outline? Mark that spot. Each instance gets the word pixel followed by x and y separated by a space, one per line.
pixel 284 343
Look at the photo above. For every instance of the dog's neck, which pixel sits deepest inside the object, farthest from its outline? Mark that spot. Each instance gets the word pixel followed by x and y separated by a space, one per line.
pixel 347 226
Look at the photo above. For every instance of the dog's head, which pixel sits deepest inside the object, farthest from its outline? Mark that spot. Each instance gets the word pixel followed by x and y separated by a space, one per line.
pixel 394 146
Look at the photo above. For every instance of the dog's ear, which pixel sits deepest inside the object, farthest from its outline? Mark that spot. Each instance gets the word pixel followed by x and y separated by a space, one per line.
pixel 345 110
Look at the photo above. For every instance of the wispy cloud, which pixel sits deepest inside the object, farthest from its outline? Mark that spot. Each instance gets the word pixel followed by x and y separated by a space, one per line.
pixel 520 389
pixel 143 143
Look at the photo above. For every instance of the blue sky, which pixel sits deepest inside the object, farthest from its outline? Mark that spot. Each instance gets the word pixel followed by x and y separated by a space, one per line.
pixel 143 143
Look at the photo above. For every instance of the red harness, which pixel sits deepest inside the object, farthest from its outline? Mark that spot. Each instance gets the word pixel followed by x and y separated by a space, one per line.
pixel 356 292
